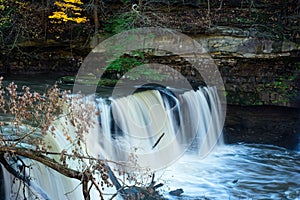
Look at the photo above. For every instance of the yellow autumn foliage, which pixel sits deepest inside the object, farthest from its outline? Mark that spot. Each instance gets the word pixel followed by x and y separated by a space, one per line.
pixel 2 6
pixel 74 1
pixel 69 10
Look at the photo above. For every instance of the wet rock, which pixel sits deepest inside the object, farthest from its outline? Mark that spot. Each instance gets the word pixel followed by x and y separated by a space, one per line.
pixel 176 192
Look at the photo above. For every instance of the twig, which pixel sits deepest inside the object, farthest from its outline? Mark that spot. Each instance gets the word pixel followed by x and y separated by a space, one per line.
pixel 16 38
pixel 156 143
pixel 221 3
pixel 67 193
pixel 97 187
pixel 114 195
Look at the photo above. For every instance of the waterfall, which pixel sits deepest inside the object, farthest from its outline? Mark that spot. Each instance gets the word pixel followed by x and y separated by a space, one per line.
pixel 44 183
pixel 158 126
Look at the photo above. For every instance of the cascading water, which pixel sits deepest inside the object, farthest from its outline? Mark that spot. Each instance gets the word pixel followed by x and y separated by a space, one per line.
pixel 153 124
pixel 230 172
pixel 158 127
pixel 44 183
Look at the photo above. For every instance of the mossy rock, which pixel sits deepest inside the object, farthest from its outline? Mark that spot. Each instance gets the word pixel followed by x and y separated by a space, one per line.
pixel 108 82
pixel 87 80
pixel 66 80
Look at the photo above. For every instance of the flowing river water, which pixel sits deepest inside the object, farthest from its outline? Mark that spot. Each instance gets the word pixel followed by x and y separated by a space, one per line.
pixel 240 171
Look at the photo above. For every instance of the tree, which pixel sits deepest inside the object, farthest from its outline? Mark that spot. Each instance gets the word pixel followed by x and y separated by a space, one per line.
pixel 38 113
pixel 96 18
pixel 69 10
pixel 15 19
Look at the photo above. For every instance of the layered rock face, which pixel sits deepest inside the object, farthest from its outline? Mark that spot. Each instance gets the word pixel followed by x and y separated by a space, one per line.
pixel 255 44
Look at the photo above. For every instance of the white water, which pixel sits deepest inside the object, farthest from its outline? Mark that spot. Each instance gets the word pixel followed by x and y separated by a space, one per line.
pixel 158 128
pixel 242 171
pixel 45 183
pixel 262 172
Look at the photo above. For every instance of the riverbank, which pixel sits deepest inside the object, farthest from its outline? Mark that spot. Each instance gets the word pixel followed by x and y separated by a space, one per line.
pixel 274 125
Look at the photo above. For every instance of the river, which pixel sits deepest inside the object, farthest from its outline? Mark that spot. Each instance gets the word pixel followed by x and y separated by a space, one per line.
pixel 239 171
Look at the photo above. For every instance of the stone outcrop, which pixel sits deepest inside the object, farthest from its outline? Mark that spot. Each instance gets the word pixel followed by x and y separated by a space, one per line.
pixel 43 57
pixel 257 71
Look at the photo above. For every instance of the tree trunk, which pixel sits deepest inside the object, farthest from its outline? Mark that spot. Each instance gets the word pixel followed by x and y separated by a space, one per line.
pixel 96 17
pixel 44 160
pixel 85 186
